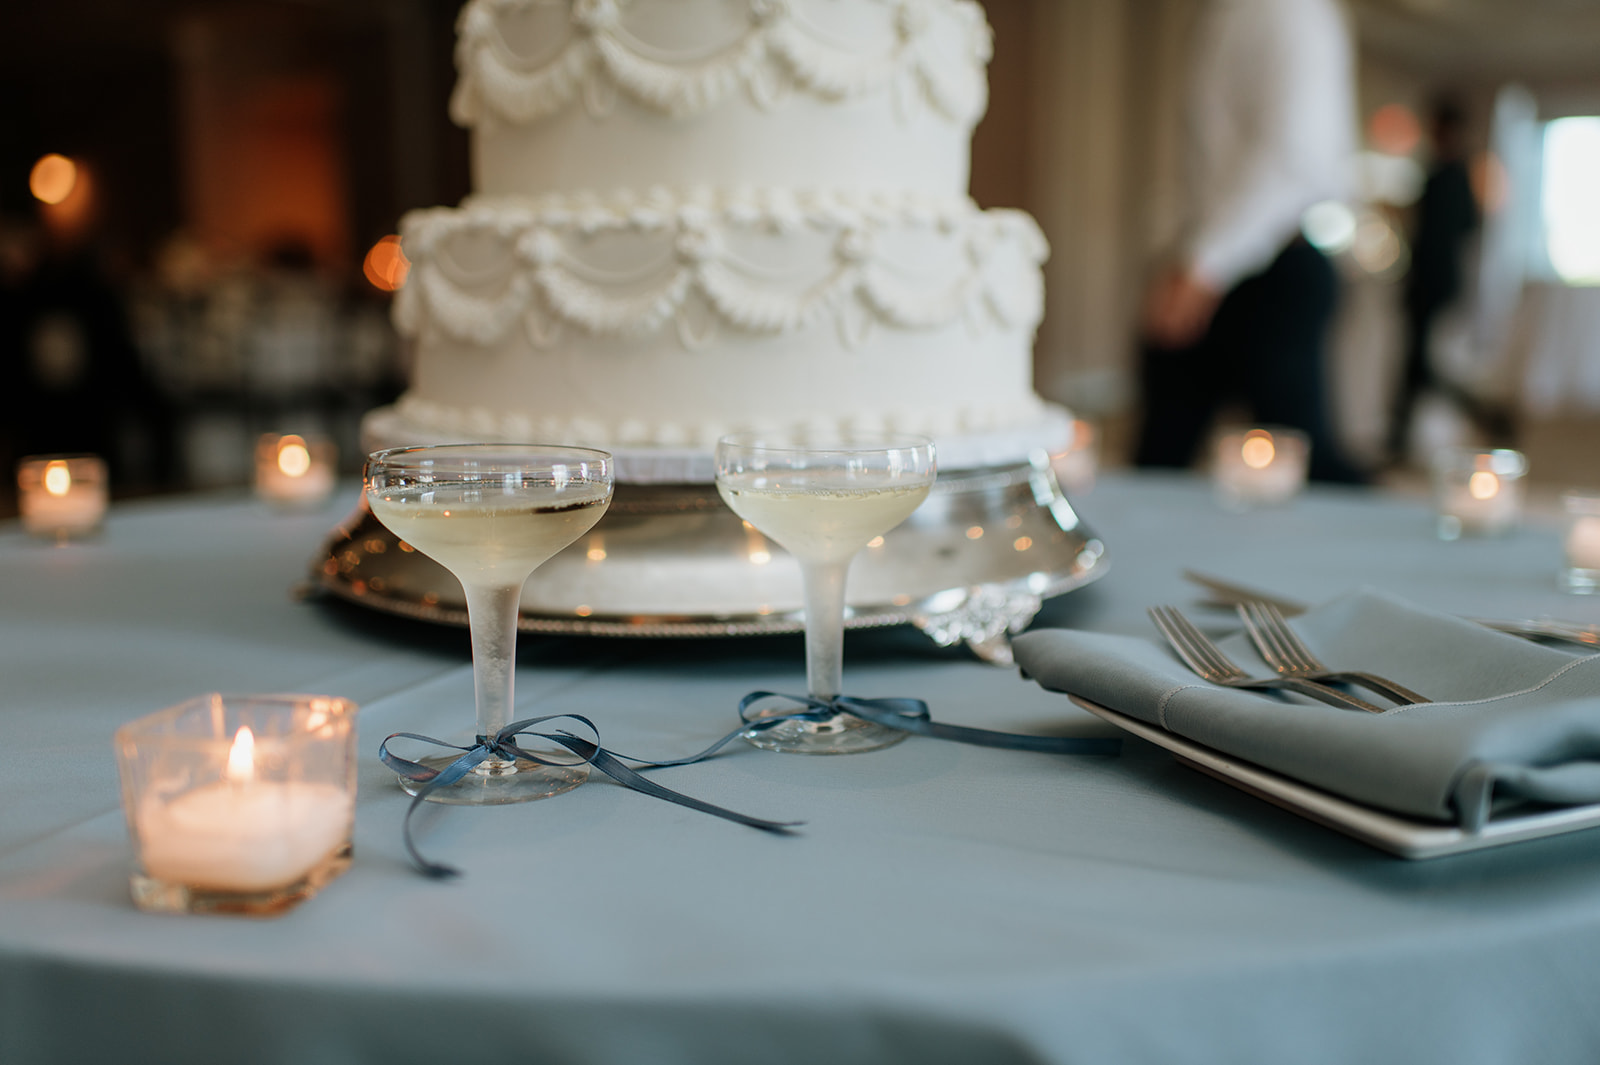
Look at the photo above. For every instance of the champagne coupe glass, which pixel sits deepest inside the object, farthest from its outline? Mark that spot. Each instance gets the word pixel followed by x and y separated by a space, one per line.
pixel 823 501
pixel 491 514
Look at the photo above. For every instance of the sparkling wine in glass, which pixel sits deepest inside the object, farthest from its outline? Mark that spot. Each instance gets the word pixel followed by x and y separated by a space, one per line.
pixel 491 514
pixel 823 501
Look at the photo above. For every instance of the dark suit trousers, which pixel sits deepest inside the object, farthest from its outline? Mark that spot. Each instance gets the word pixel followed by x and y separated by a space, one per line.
pixel 1265 349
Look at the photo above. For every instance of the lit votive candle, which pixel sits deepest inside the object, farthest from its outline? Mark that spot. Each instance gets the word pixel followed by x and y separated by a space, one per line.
pixel 1581 544
pixel 294 471
pixel 1260 467
pixel 238 804
pixel 1478 492
pixel 62 496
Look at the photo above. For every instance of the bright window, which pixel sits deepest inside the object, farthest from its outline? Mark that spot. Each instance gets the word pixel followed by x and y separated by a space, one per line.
pixel 1571 197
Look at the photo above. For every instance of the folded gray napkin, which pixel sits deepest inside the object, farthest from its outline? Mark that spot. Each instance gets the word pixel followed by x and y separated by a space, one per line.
pixel 1512 720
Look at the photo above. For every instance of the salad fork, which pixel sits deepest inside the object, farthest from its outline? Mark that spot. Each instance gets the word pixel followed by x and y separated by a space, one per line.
pixel 1283 650
pixel 1207 660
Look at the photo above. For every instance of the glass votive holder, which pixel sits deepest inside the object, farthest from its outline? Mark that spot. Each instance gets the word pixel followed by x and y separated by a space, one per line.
pixel 1580 572
pixel 294 471
pixel 1478 492
pixel 239 804
pixel 1260 467
pixel 62 496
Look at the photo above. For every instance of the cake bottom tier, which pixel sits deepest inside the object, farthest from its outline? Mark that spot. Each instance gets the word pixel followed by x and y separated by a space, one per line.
pixel 1049 432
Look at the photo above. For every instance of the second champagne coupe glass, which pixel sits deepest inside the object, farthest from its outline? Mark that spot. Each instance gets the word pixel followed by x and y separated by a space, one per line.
pixel 491 514
pixel 823 502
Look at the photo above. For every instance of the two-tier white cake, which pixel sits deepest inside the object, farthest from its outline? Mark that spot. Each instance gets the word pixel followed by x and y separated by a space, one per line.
pixel 694 216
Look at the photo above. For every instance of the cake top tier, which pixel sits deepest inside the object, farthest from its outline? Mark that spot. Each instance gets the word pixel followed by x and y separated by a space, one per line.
pixel 564 95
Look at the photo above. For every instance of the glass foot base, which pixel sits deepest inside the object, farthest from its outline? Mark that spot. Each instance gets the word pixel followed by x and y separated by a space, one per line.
pixel 1577 580
pixel 495 782
pixel 165 896
pixel 840 734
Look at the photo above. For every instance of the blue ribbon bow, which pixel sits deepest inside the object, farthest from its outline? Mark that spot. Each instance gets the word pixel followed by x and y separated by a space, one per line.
pixel 911 715
pixel 503 745
pixel 907 715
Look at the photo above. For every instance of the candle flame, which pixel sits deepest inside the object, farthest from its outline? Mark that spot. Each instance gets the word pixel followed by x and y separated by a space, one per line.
pixel 57 478
pixel 1258 450
pixel 242 757
pixel 1483 485
pixel 294 459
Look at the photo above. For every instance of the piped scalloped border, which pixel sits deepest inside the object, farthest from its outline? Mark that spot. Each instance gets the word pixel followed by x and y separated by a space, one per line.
pixel 544 284
pixel 779 52
pixel 680 451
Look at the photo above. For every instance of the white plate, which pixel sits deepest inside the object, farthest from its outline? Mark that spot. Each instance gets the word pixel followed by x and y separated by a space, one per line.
pixel 1387 831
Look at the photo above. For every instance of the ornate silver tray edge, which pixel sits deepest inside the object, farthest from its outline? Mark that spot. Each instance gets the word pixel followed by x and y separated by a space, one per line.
pixel 1003 593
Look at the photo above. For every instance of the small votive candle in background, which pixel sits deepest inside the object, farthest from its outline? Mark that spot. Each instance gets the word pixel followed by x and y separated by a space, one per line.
pixel 1260 467
pixel 238 803
pixel 1478 492
pixel 294 471
pixel 1581 543
pixel 1076 467
pixel 62 496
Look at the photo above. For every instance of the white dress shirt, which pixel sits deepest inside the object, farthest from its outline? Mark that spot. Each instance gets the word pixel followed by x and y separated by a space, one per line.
pixel 1271 117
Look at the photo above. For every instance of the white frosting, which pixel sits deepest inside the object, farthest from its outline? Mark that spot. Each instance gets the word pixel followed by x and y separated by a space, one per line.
pixel 671 321
pixel 609 94
pixel 766 262
pixel 696 216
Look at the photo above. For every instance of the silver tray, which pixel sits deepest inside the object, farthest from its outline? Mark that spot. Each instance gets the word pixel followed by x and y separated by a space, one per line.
pixel 973 565
pixel 1391 832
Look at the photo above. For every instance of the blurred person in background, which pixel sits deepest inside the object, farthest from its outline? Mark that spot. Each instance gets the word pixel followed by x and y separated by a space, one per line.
pixel 73 376
pixel 1447 216
pixel 1241 310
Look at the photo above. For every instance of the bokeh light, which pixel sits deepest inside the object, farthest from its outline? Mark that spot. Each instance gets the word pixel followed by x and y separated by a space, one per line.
pixel 386 265
pixel 294 458
pixel 1378 247
pixel 1394 129
pixel 1330 226
pixel 1258 450
pixel 53 178
pixel 1571 206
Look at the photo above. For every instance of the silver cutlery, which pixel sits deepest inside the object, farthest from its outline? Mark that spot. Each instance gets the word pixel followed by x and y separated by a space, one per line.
pixel 1210 664
pixel 1545 629
pixel 1228 593
pixel 1283 650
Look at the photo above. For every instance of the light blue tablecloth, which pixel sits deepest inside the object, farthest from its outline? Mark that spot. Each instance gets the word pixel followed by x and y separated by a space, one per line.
pixel 943 903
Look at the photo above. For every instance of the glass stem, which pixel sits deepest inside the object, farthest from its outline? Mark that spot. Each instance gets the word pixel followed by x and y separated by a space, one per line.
pixel 492 614
pixel 824 589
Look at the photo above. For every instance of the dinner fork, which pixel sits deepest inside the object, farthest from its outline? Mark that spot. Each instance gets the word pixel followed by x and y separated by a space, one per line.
pixel 1283 650
pixel 1208 661
pixel 1227 593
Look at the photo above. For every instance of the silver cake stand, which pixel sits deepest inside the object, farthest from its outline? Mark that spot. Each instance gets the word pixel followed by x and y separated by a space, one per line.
pixel 973 565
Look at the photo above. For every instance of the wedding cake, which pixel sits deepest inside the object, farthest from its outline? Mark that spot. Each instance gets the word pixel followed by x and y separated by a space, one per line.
pixel 695 216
